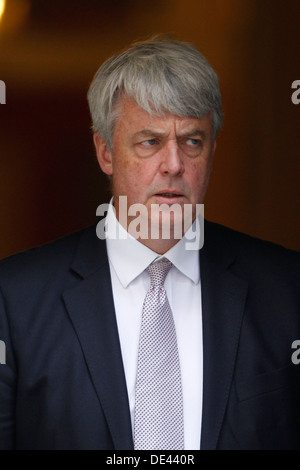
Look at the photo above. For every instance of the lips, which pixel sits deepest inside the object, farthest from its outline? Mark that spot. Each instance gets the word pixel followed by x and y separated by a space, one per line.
pixel 167 196
pixel 169 193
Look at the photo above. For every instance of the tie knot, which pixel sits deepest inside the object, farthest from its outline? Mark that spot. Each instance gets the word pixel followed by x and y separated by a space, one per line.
pixel 158 271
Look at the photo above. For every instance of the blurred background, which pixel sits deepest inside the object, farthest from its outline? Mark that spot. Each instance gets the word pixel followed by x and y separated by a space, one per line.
pixel 50 183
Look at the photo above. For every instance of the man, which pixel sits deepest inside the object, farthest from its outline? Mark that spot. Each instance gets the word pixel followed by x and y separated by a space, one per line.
pixel 136 341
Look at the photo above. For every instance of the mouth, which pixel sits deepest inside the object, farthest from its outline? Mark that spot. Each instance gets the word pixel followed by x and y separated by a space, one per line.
pixel 170 196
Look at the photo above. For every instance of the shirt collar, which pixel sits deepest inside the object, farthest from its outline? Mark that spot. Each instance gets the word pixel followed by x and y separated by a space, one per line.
pixel 130 257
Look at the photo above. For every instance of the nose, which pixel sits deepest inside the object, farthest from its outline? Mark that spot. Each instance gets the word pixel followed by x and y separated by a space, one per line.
pixel 171 160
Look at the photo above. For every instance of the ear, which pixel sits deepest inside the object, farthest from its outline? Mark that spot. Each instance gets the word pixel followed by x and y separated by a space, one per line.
pixel 104 155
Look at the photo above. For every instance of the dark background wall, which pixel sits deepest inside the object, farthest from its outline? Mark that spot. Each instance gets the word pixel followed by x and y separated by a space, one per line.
pixel 49 50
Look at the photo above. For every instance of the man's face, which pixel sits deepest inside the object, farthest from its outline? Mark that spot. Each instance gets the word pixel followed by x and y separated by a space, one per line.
pixel 157 160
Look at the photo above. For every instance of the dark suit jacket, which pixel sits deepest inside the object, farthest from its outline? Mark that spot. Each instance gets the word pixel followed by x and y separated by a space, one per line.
pixel 63 386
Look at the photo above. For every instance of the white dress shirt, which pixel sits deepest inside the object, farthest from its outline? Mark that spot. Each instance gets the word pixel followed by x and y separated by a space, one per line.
pixel 128 259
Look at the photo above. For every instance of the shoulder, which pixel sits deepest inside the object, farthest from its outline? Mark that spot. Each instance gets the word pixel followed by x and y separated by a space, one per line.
pixel 49 253
pixel 250 254
pixel 42 262
pixel 241 242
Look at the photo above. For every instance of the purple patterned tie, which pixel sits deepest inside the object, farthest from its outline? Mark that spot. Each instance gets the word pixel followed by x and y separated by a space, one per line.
pixel 158 396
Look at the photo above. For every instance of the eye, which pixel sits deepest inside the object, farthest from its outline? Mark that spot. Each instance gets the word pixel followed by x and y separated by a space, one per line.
pixel 193 142
pixel 149 142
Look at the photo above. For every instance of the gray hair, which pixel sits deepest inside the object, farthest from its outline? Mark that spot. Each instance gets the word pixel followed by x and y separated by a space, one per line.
pixel 161 75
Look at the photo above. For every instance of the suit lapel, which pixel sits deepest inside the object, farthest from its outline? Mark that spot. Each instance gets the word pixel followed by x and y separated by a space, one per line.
pixel 91 309
pixel 223 303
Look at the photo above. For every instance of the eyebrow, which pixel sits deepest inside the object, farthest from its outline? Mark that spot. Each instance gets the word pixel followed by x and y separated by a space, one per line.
pixel 194 133
pixel 152 133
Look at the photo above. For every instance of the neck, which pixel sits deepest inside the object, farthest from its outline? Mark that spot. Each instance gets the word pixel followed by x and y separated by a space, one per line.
pixel 153 232
pixel 159 246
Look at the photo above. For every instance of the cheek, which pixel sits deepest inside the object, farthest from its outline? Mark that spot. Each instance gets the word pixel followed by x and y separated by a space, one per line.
pixel 131 176
pixel 136 170
pixel 197 176
pixel 196 172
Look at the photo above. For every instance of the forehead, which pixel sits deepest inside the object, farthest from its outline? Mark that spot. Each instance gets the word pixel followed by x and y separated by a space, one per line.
pixel 132 119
